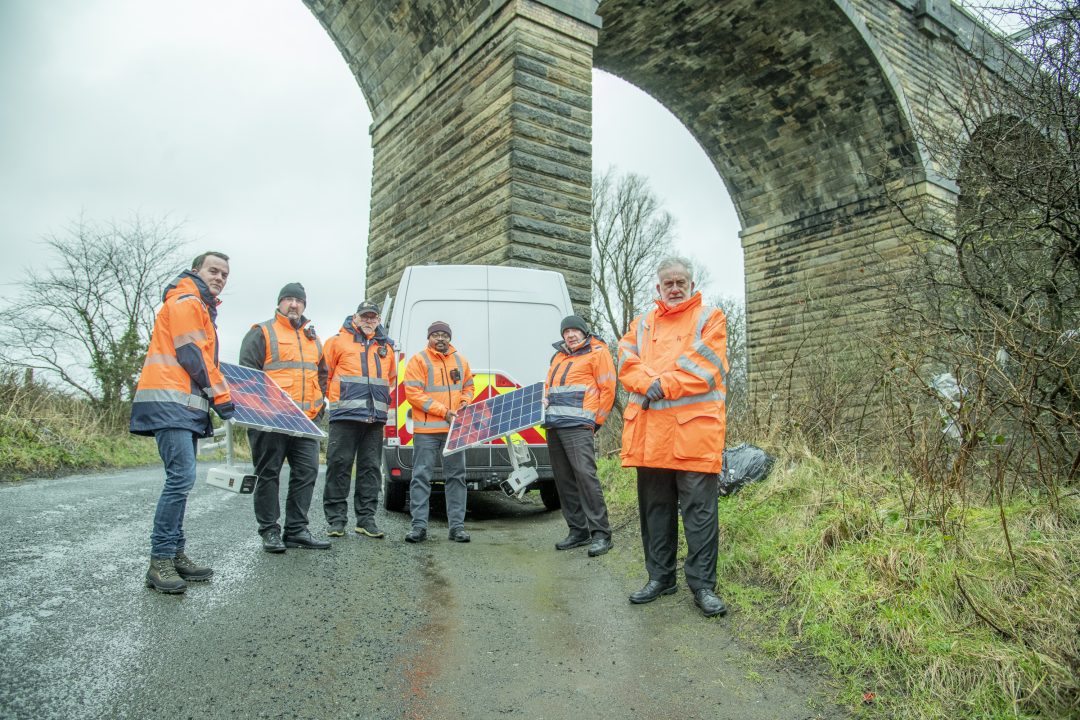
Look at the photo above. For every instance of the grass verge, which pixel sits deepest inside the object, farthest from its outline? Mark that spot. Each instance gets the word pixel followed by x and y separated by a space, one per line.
pixel 43 432
pixel 935 625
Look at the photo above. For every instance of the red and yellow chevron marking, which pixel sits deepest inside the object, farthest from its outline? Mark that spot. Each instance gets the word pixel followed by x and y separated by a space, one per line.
pixel 486 385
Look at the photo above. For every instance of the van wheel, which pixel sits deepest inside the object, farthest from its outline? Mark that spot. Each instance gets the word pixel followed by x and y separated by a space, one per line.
pixel 396 493
pixel 550 496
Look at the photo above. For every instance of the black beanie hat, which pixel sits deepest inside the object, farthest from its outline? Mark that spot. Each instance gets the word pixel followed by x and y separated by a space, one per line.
pixel 574 321
pixel 439 326
pixel 295 290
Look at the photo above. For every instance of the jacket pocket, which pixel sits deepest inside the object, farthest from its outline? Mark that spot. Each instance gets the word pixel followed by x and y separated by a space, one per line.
pixel 698 436
pixel 633 423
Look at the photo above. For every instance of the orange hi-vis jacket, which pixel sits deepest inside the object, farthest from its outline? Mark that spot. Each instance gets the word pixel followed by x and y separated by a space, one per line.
pixel 580 385
pixel 363 370
pixel 435 384
pixel 181 379
pixel 685 346
pixel 293 356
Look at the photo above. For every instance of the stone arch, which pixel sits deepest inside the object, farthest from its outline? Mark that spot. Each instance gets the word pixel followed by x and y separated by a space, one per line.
pixel 792 104
pixel 482 131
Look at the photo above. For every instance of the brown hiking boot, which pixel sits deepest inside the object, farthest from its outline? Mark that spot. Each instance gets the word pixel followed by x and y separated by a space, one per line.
pixel 162 577
pixel 188 570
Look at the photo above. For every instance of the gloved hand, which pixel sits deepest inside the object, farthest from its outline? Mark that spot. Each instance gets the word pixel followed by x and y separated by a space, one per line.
pixel 225 410
pixel 655 391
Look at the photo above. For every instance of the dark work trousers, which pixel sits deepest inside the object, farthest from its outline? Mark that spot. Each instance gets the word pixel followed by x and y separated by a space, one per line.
pixel 661 493
pixel 269 451
pixel 427 451
pixel 573 459
pixel 359 442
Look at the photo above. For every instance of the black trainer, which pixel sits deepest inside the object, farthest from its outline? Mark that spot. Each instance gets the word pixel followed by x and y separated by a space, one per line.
pixel 272 541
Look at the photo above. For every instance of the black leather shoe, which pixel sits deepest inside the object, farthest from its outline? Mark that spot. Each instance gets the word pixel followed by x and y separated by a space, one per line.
pixel 416 535
pixel 652 590
pixel 710 605
pixel 572 541
pixel 303 539
pixel 459 535
pixel 599 546
pixel 272 542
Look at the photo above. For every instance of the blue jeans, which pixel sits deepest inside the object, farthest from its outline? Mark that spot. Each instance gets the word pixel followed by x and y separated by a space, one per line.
pixel 177 450
pixel 427 451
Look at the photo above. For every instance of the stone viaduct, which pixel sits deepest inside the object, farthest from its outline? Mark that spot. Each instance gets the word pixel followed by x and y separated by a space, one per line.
pixel 482 129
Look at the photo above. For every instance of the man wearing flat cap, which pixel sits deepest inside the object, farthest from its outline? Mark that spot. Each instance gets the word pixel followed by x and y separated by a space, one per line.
pixel 438 384
pixel 288 350
pixel 363 369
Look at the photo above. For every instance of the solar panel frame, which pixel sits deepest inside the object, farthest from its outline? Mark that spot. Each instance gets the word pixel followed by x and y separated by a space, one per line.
pixel 262 404
pixel 496 417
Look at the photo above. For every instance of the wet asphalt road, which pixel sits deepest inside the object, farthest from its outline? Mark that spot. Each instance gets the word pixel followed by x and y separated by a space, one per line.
pixel 503 627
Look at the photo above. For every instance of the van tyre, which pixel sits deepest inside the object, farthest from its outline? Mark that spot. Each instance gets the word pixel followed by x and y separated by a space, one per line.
pixel 396 495
pixel 550 495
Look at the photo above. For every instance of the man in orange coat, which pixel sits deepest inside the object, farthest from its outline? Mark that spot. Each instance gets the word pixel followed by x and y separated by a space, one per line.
pixel 288 350
pixel 438 384
pixel 180 381
pixel 578 394
pixel 673 363
pixel 363 369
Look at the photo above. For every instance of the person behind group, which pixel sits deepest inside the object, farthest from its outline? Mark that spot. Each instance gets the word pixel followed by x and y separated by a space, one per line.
pixel 288 350
pixel 673 363
pixel 438 384
pixel 180 382
pixel 578 394
pixel 363 368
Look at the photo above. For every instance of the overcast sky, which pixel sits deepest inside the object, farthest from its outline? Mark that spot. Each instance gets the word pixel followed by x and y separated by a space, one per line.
pixel 240 119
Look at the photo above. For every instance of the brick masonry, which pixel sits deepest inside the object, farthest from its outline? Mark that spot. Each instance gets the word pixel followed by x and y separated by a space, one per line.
pixel 482 130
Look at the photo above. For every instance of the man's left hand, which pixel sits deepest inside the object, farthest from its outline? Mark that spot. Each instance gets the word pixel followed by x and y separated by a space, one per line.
pixel 655 391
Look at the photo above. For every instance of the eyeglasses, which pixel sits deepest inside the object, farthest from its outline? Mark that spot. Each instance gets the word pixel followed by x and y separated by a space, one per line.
pixel 439 336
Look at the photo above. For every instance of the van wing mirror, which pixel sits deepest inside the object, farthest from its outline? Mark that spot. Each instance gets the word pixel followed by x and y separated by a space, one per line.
pixel 387 306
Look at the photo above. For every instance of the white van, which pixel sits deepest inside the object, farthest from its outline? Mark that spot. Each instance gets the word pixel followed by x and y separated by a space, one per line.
pixel 504 321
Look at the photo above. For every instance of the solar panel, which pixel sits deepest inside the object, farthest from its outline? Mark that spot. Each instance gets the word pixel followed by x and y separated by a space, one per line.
pixel 496 417
pixel 262 404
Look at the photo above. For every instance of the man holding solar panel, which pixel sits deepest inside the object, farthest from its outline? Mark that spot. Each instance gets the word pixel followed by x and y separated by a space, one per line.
pixel 287 349
pixel 180 382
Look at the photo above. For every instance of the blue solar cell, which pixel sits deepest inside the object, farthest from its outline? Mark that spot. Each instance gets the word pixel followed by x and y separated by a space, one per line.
pixel 495 417
pixel 263 405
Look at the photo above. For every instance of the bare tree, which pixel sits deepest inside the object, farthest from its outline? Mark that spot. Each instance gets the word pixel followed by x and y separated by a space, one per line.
pixel 86 317
pixel 978 379
pixel 631 233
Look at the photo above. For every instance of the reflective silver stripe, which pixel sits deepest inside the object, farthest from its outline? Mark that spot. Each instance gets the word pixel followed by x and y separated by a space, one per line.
pixel 173 396
pixel 188 338
pixel 569 411
pixel 443 388
pixel 275 350
pixel 697 371
pixel 430 369
pixel 361 404
pixel 711 396
pixel 427 404
pixel 291 365
pixel 364 380
pixel 567 389
pixel 159 359
pixel 215 390
pixel 707 352
pixel 438 424
pixel 623 345
pixel 636 399
pixel 309 406
pixel 414 383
